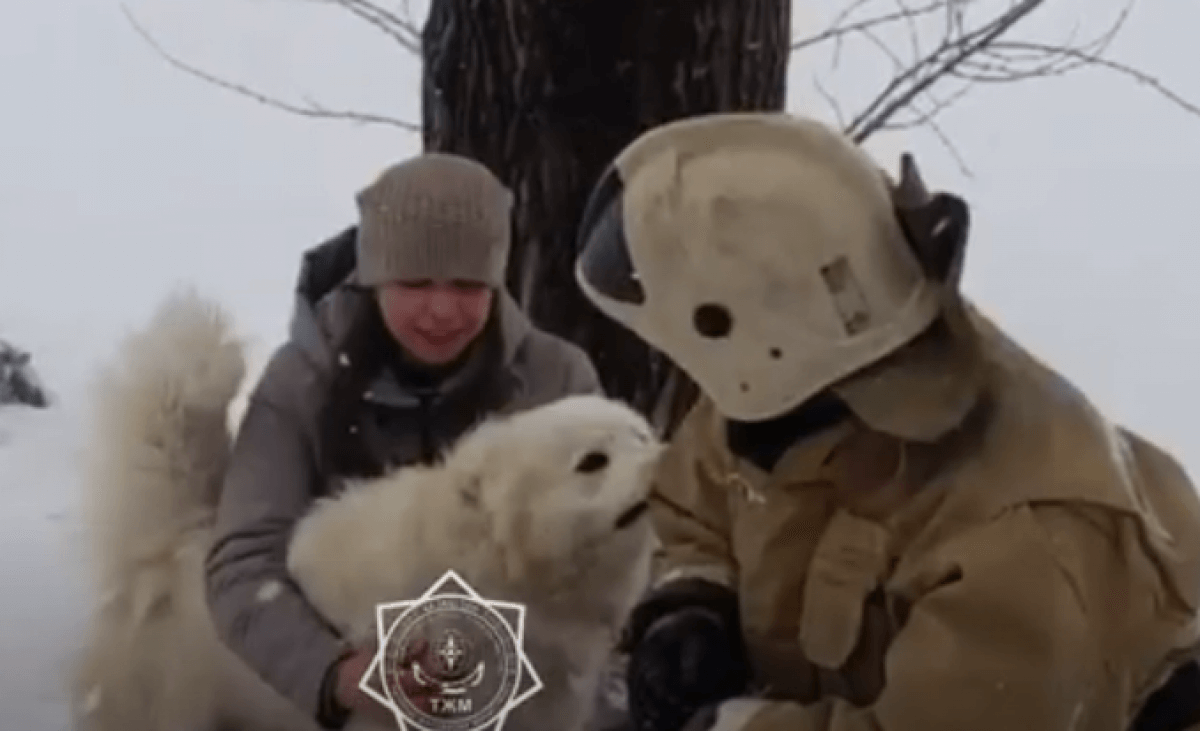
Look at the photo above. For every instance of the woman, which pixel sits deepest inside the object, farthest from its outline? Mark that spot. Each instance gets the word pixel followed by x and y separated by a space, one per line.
pixel 402 338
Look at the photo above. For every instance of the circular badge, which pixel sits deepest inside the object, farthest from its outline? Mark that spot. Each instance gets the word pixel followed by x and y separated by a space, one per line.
pixel 451 663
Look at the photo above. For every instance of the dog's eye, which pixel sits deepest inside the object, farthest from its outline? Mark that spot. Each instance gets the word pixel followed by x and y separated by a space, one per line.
pixel 592 462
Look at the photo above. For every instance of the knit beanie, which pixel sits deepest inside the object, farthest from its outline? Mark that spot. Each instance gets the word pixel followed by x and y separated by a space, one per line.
pixel 434 216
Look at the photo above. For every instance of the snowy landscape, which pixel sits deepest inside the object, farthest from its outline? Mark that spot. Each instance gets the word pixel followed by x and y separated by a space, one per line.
pixel 121 178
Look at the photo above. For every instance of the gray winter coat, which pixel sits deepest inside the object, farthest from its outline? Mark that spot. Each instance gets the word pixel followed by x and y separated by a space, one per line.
pixel 276 470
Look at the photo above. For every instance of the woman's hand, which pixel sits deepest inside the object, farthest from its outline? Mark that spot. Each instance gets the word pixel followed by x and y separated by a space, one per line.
pixel 350 673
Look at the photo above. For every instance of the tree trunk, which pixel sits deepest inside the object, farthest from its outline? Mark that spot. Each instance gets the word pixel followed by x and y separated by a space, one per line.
pixel 547 92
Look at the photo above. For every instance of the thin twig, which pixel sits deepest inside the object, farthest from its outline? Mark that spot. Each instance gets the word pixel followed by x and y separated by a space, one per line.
pixel 1088 59
pixel 948 144
pixel 911 23
pixel 397 26
pixel 312 110
pixel 871 120
pixel 832 101
pixel 998 64
pixel 971 55
pixel 838 30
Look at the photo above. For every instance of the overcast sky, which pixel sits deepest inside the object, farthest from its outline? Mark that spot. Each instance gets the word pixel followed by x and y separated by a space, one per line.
pixel 119 176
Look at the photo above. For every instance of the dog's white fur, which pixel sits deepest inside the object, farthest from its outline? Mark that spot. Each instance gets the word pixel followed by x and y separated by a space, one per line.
pixel 507 510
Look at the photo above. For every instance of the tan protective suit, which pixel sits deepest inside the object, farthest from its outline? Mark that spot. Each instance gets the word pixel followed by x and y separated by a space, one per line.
pixel 1039 568
pixel 977 549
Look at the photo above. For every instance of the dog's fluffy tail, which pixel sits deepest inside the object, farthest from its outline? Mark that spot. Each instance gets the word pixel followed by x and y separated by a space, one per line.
pixel 157 452
pixel 159 444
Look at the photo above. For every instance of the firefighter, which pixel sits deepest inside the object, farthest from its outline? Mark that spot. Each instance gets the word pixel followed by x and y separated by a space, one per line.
pixel 883 513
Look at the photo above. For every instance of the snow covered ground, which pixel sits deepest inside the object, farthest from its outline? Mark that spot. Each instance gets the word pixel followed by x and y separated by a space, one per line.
pixel 121 178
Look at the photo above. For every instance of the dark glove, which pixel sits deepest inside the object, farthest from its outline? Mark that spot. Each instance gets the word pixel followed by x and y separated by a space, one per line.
pixel 1176 705
pixel 686 652
pixel 704 719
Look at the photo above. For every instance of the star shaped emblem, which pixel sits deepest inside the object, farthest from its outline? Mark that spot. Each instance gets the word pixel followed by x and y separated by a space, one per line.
pixel 450 660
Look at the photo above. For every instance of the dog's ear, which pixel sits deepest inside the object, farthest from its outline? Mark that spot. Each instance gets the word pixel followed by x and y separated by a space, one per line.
pixel 935 224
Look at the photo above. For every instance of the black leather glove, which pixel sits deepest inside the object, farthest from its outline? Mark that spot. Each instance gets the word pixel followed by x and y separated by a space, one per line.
pixel 686 652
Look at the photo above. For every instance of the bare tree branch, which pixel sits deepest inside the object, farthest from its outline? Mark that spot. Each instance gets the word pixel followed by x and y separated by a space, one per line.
pixel 920 77
pixel 995 66
pixel 397 25
pixel 310 109
pixel 1087 59
pixel 970 53
pixel 840 29
pixel 832 101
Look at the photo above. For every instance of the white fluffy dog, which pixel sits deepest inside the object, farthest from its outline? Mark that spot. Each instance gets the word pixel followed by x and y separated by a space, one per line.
pixel 545 508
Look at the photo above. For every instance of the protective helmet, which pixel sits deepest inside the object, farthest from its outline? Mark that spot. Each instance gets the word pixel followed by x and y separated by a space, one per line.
pixel 760 252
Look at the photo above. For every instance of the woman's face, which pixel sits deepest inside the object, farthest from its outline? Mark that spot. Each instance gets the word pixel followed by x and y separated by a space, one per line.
pixel 434 321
